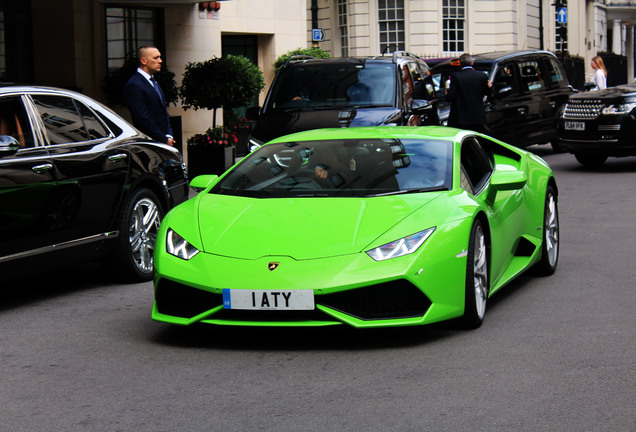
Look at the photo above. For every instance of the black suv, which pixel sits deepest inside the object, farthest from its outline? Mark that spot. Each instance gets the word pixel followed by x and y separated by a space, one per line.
pixel 309 93
pixel 529 89
pixel 598 124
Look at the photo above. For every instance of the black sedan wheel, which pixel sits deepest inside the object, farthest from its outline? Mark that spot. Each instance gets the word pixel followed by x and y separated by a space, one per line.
pixel 477 278
pixel 138 229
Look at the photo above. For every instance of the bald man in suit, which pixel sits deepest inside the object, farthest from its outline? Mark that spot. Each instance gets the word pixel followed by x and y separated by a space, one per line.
pixel 145 98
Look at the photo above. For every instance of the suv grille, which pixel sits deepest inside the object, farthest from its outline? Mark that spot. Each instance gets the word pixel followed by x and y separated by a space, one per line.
pixel 583 109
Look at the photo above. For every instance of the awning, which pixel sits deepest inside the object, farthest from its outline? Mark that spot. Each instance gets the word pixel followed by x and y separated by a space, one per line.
pixel 153 2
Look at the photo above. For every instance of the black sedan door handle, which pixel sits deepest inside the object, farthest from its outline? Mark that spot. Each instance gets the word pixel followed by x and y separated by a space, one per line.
pixel 117 157
pixel 41 169
pixel 522 111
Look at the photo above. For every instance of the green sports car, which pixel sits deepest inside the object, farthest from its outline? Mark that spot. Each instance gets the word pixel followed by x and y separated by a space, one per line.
pixel 369 227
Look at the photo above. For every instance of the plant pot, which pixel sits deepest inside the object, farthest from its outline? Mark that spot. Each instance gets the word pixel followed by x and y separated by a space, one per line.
pixel 209 159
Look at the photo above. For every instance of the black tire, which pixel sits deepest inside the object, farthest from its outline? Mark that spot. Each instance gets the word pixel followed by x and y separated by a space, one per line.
pixel 550 244
pixel 590 160
pixel 477 278
pixel 556 146
pixel 138 225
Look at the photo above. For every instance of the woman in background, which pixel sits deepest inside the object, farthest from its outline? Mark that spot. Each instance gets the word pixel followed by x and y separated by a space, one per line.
pixel 600 73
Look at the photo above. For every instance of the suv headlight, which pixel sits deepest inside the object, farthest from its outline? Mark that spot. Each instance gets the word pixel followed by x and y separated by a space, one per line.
pixel 619 109
pixel 178 246
pixel 401 247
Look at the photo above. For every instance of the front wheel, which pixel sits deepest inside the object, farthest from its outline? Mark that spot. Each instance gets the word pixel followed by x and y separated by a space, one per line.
pixel 138 227
pixel 550 243
pixel 477 278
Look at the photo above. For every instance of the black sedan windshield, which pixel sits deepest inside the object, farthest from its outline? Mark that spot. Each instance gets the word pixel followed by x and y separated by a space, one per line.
pixel 353 167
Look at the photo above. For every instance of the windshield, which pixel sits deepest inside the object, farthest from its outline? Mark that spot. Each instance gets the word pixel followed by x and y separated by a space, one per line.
pixel 341 168
pixel 341 85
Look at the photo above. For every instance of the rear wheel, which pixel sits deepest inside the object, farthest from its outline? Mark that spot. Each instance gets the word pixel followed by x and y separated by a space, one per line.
pixel 550 244
pixel 590 160
pixel 138 227
pixel 477 278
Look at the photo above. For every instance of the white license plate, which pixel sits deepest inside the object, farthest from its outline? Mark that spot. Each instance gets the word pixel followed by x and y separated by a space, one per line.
pixel 268 299
pixel 578 126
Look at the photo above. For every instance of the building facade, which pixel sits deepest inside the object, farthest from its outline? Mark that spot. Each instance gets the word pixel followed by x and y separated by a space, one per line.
pixel 75 43
pixel 447 28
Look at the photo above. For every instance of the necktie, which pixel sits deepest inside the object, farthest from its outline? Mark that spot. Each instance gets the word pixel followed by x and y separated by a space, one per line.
pixel 155 84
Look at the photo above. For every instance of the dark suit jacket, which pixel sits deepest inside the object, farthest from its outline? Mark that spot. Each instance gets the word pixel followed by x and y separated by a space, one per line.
pixel 466 95
pixel 148 110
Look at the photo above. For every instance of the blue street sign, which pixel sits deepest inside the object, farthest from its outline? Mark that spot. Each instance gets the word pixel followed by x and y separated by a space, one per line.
pixel 562 16
pixel 317 35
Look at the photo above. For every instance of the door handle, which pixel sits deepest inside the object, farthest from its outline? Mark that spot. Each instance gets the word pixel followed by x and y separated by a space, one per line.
pixel 522 111
pixel 41 169
pixel 117 157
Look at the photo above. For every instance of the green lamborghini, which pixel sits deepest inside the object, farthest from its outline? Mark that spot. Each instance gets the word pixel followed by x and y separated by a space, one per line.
pixel 368 227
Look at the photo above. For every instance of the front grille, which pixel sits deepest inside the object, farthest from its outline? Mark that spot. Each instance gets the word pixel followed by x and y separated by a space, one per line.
pixel 583 109
pixel 395 299
pixel 390 300
pixel 184 301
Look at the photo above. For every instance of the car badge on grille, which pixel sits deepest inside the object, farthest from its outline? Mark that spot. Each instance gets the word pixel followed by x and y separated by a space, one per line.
pixel 273 266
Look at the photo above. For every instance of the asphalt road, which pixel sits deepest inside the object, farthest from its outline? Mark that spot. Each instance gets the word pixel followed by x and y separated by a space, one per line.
pixel 78 352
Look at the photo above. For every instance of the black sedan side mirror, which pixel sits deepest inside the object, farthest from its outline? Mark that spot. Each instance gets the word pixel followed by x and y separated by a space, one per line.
pixel 8 145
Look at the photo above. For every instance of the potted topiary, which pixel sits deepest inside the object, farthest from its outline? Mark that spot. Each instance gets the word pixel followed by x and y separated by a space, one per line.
pixel 221 82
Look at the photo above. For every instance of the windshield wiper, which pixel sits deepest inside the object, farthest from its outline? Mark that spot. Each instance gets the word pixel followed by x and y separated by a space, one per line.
pixel 410 191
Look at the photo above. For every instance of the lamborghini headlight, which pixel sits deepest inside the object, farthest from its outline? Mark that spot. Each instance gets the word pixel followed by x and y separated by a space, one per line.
pixel 401 247
pixel 178 246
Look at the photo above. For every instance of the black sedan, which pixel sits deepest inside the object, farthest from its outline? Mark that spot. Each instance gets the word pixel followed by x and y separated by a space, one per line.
pixel 78 183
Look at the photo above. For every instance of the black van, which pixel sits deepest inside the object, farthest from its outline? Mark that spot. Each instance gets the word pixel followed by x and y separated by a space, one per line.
pixel 309 93
pixel 529 90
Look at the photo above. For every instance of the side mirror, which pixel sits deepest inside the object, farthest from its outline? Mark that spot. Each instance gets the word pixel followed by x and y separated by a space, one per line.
pixel 8 145
pixel 252 113
pixel 202 182
pixel 422 106
pixel 504 91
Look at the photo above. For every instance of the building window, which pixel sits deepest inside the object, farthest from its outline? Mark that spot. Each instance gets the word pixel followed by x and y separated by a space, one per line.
pixel 128 28
pixel 343 28
pixel 391 20
pixel 454 24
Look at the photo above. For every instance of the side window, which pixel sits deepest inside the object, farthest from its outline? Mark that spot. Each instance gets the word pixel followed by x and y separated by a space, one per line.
pixel 505 78
pixel 531 78
pixel 477 165
pixel 407 85
pixel 14 121
pixel 64 122
pixel 555 73
pixel 95 129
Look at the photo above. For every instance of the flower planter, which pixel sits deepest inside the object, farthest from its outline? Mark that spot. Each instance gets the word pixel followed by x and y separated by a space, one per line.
pixel 209 159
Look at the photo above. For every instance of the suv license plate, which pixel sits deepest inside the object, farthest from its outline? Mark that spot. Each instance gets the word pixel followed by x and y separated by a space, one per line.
pixel 268 299
pixel 578 126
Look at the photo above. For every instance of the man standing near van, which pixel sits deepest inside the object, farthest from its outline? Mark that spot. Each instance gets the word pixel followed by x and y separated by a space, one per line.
pixel 466 93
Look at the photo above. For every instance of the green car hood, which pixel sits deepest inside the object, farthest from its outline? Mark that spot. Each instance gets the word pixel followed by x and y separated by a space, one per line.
pixel 302 228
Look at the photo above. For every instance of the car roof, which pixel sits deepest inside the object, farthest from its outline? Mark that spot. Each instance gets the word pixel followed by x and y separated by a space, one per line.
pixel 497 57
pixel 394 57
